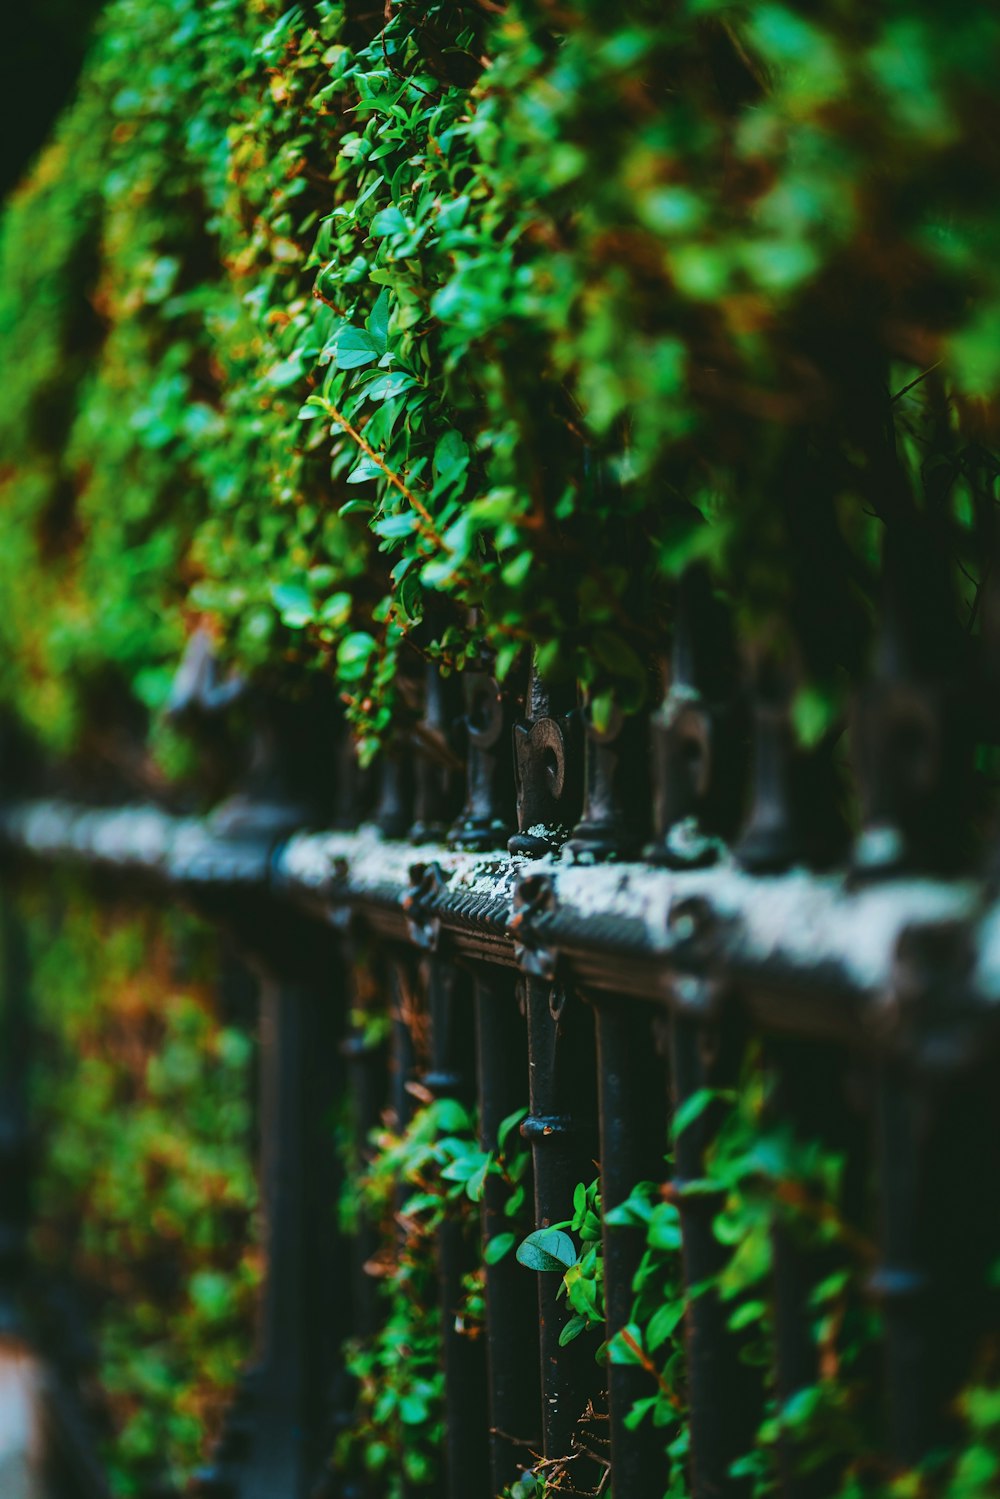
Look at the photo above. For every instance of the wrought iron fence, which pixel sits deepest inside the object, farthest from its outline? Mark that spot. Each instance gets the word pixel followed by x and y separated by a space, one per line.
pixel 606 981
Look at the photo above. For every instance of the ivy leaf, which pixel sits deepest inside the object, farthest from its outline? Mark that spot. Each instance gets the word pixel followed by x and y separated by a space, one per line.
pixel 663 1322
pixel 286 372
pixel 451 455
pixel 353 655
pixel 574 1327
pixel 384 387
pixel 547 1249
pixel 394 527
pixel 377 321
pixel 294 603
pixel 355 347
pixel 498 1246
pixel 477 1181
pixel 507 1125
pixel 336 610
pixel 390 220
pixel 412 1410
pixel 640 1409
pixel 691 1110
pixel 622 1352
pixel 365 470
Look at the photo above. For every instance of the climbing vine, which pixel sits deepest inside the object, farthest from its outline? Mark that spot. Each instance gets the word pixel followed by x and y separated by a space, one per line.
pixel 432 1171
pixel 313 316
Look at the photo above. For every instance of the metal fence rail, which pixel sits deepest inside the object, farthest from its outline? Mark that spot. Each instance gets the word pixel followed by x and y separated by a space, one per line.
pixel 603 994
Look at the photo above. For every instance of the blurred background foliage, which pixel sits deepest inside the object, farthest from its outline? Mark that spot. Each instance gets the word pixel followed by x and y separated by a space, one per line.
pixel 145 1197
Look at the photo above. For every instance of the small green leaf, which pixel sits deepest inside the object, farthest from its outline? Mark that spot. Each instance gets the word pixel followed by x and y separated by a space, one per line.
pixel 355 347
pixel 547 1249
pixel 510 1123
pixel 389 221
pixel 497 1247
pixel 377 321
pixel 574 1327
pixel 691 1110
pixel 477 1182
pixel 354 654
pixel 663 1323
pixel 294 603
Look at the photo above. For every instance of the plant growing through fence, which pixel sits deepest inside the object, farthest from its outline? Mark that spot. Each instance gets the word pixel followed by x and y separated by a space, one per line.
pixel 433 1170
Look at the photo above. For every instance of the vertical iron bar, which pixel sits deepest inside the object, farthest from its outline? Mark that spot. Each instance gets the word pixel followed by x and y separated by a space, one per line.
pixel 939 1229
pixel 366 1079
pixel 935 1093
pixel 511 1305
pixel 402 1069
pixel 304 1316
pixel 902 1282
pixel 633 1126
pixel 810 1097
pixel 562 1130
pixel 438 792
pixel 724 1393
pixel 451 1075
pixel 698 733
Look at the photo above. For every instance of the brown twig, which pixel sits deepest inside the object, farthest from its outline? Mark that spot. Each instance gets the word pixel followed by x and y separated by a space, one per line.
pixel 650 1367
pixel 428 529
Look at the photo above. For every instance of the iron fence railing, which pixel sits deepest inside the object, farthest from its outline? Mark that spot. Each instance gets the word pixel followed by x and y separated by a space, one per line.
pixel 605 992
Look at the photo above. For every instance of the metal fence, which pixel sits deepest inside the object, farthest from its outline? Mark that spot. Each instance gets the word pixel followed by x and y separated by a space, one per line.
pixel 604 981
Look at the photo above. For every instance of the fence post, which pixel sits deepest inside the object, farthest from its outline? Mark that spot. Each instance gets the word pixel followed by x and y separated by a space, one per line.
pixel 616 817
pixel 698 734
pixel 547 760
pixel 438 765
pixel 487 819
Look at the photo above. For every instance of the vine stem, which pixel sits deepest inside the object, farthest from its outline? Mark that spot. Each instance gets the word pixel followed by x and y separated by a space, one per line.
pixel 794 1195
pixel 428 529
pixel 649 1366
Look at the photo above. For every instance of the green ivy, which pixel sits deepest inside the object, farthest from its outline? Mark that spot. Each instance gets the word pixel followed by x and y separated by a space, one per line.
pixel 309 316
pixel 431 1172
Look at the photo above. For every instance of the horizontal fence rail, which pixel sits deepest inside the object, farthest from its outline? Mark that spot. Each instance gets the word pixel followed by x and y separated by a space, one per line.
pixel 622 926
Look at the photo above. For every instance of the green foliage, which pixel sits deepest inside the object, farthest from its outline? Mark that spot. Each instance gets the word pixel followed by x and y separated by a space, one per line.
pixel 524 308
pixel 145 1191
pixel 461 327
pixel 432 1172
pixel 652 1337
